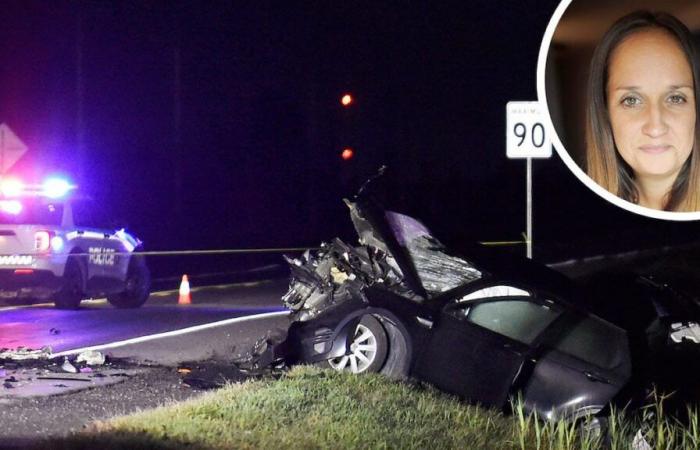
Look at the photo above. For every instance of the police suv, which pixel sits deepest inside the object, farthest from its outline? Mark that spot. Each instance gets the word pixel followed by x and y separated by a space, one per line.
pixel 46 251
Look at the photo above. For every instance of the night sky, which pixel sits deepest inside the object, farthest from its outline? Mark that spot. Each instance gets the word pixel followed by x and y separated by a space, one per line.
pixel 218 124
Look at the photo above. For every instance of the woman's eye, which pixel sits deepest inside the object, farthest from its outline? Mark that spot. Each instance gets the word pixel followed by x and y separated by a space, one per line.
pixel 677 99
pixel 630 101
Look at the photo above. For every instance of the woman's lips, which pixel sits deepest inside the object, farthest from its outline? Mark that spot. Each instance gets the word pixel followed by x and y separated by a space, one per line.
pixel 654 149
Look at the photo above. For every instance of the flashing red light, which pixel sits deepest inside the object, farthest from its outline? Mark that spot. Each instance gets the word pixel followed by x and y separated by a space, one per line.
pixel 42 241
pixel 13 207
pixel 346 100
pixel 51 188
pixel 11 187
pixel 347 154
pixel 24 271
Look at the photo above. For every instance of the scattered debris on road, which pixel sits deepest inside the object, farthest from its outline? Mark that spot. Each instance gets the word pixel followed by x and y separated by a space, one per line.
pixel 215 374
pixel 27 372
pixel 68 367
pixel 91 358
pixel 21 353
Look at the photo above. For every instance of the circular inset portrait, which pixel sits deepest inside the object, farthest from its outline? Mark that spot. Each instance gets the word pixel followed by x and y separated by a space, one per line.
pixel 621 83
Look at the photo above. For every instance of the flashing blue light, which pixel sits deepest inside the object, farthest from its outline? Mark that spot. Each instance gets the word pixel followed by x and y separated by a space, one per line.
pixel 56 187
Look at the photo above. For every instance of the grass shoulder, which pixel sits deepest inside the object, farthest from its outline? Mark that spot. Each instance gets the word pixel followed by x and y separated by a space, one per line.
pixel 315 409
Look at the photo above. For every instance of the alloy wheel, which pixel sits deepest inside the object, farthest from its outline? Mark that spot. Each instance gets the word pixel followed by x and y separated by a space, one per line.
pixel 363 352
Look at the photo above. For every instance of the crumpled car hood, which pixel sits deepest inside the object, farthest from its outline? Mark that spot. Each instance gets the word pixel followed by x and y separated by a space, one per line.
pixel 395 252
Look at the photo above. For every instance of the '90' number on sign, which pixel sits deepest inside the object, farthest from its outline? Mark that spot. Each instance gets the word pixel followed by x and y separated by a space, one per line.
pixel 536 133
pixel 526 134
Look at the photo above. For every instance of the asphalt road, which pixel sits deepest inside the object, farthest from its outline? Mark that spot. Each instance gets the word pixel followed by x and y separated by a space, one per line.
pixel 157 337
pixel 96 322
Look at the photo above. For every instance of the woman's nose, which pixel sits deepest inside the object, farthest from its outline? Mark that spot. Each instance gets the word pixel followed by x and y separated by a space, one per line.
pixel 655 122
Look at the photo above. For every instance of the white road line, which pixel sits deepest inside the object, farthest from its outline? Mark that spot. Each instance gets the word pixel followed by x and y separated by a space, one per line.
pixel 214 286
pixel 180 332
pixel 37 305
pixel 91 301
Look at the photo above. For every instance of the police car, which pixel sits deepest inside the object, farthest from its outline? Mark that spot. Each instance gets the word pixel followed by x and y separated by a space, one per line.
pixel 49 252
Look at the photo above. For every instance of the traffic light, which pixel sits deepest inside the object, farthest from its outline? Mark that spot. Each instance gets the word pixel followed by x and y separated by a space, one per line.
pixel 347 154
pixel 346 100
pixel 346 129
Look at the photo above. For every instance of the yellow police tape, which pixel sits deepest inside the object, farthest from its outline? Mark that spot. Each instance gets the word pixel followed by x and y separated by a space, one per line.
pixel 181 252
pixel 496 243
pixel 225 251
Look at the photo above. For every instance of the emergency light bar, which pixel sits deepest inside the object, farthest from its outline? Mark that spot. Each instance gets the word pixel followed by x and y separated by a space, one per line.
pixel 12 207
pixel 52 188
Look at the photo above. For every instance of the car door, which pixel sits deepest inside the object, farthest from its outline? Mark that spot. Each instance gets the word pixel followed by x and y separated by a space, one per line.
pixel 93 243
pixel 581 368
pixel 106 268
pixel 478 346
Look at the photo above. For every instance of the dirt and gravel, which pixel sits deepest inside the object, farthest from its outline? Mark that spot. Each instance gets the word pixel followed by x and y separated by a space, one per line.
pixel 24 422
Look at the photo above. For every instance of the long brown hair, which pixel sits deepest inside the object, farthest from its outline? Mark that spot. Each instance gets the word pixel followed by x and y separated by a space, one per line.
pixel 604 163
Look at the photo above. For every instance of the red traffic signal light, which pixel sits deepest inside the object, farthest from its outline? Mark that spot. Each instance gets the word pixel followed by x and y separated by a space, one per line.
pixel 346 100
pixel 347 154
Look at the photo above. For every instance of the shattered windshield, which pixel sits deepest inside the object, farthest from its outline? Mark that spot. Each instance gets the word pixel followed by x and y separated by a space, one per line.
pixel 438 271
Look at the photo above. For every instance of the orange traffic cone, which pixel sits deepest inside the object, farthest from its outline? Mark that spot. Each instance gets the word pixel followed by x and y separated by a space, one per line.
pixel 185 297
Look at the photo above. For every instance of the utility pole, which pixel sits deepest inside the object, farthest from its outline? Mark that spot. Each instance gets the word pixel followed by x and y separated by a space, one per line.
pixel 80 97
pixel 176 156
pixel 177 128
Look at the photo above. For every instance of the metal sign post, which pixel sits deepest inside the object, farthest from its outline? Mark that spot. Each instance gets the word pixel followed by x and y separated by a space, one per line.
pixel 526 138
pixel 528 213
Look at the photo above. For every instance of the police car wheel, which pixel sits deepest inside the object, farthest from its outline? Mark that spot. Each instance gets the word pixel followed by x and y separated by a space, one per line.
pixel 71 292
pixel 137 286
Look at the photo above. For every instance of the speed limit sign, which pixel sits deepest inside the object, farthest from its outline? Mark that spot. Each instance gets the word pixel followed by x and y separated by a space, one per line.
pixel 526 136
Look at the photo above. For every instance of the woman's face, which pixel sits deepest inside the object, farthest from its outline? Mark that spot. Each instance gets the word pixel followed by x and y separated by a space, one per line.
pixel 651 101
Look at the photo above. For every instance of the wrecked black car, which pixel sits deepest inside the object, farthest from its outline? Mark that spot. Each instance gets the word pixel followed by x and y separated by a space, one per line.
pixel 486 329
pixel 660 315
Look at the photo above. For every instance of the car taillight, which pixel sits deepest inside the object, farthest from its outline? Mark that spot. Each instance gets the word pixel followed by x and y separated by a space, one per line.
pixel 42 240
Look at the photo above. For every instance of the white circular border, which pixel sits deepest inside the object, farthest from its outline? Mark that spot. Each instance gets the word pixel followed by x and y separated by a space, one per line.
pixel 559 147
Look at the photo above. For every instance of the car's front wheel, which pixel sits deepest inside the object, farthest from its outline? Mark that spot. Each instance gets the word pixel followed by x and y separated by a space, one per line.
pixel 137 286
pixel 368 349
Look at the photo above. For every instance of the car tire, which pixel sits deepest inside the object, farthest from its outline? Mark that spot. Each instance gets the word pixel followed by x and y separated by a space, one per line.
pixel 369 349
pixel 398 359
pixel 71 293
pixel 137 286
pixel 595 428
